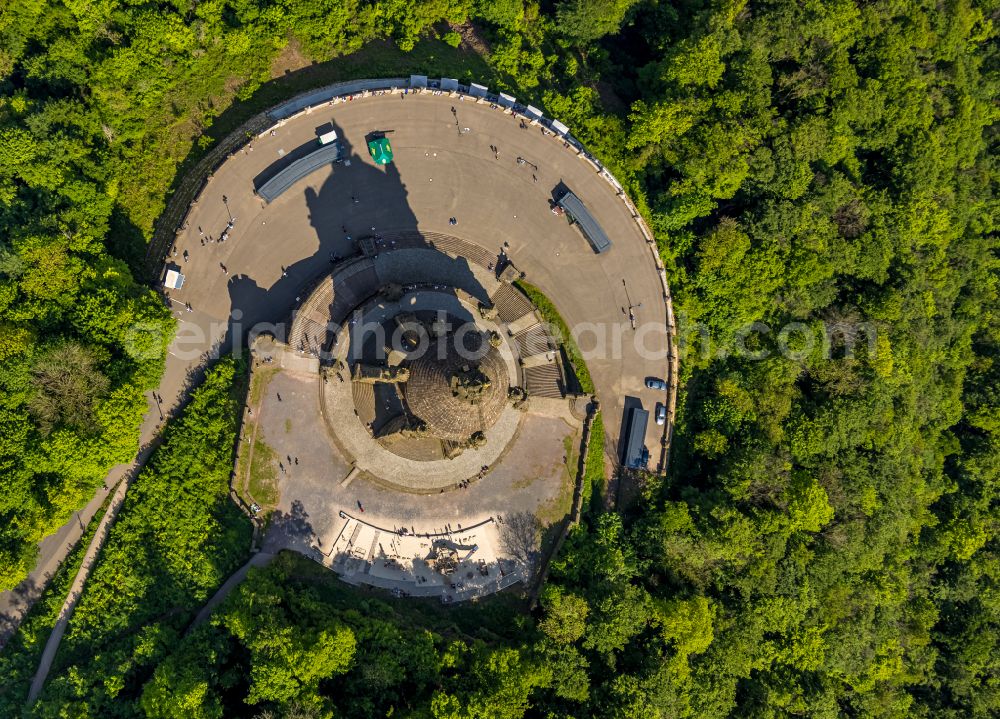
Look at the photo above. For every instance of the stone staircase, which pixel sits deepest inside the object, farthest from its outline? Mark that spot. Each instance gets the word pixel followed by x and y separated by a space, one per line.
pixel 544 381
pixel 364 401
pixel 328 305
pixel 510 304
pixel 459 247
pixel 309 325
pixel 355 285
pixel 455 246
pixel 533 341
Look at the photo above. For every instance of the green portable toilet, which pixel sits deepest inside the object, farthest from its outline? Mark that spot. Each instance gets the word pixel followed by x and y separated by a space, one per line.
pixel 381 150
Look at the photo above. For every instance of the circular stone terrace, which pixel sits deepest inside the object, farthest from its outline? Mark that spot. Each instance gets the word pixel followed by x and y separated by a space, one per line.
pixel 471 186
pixel 435 461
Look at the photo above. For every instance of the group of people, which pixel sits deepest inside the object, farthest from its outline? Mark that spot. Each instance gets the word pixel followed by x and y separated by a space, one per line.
pixel 465 483
pixel 209 239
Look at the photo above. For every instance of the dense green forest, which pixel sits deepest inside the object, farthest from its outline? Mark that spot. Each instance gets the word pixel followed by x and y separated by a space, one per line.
pixel 826 542
pixel 177 537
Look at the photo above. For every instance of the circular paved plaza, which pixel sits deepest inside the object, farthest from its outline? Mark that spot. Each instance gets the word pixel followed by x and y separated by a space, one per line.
pixel 469 193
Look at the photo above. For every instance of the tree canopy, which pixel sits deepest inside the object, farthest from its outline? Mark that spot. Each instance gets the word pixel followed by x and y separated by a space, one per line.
pixel 820 180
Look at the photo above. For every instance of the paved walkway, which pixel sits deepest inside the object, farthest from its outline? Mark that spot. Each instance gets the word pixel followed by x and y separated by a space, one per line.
pixel 260 559
pixel 411 475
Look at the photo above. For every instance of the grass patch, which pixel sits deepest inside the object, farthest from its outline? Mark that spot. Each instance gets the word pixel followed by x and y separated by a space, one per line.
pixel 570 448
pixel 555 509
pixel 288 426
pixel 593 468
pixel 524 482
pixel 570 349
pixel 259 482
pixel 263 481
pixel 258 384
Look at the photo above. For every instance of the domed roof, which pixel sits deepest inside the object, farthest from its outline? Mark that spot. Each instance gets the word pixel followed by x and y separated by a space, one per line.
pixel 458 395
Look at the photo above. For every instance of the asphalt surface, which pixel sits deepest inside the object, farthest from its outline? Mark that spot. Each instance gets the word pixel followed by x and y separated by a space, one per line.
pixel 438 173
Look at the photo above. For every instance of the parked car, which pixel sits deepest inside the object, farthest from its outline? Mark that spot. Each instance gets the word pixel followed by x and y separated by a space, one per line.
pixel 655 383
pixel 661 413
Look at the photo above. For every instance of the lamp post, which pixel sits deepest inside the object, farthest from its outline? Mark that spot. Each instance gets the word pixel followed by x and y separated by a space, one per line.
pixel 631 307
pixel 225 201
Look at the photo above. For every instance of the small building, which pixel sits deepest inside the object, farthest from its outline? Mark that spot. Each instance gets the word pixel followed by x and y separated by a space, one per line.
pixel 173 280
pixel 322 156
pixel 636 455
pixel 591 229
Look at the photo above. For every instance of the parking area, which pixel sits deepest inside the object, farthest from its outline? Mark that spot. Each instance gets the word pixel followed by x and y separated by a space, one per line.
pixel 437 174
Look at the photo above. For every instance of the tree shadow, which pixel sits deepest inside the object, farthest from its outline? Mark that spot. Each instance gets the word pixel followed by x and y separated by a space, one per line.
pixel 20 600
pixel 359 211
pixel 520 535
pixel 291 530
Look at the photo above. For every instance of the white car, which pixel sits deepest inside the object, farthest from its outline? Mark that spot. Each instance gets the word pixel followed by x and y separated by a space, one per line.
pixel 661 413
